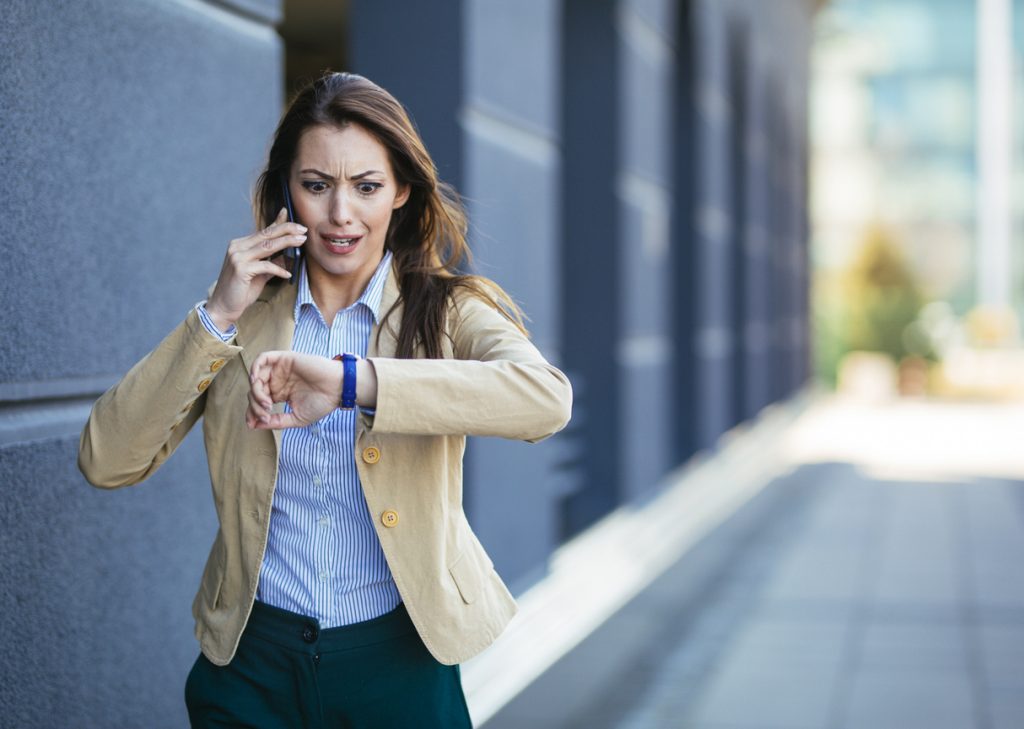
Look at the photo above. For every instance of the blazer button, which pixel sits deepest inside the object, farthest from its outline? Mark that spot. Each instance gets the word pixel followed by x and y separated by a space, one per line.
pixel 371 454
pixel 203 385
pixel 216 365
pixel 389 518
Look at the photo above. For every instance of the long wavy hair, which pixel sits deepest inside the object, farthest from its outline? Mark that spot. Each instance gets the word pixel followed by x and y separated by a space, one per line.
pixel 427 235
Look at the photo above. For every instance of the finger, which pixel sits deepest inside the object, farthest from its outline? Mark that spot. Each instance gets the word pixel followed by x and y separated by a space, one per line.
pixel 258 406
pixel 280 227
pixel 279 421
pixel 260 396
pixel 265 368
pixel 260 246
pixel 267 268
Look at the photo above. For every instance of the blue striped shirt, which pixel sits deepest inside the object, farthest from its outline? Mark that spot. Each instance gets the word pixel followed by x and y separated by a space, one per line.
pixel 323 557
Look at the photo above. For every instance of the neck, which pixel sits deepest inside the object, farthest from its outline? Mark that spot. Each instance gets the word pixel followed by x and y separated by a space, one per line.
pixel 333 293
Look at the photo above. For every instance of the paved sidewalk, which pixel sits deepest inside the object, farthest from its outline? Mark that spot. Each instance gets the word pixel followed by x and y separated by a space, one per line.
pixel 852 593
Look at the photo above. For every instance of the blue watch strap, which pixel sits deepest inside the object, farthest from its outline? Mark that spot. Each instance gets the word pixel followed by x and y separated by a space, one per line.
pixel 348 382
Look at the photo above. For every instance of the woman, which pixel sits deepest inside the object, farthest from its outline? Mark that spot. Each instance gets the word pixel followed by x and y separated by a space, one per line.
pixel 344 586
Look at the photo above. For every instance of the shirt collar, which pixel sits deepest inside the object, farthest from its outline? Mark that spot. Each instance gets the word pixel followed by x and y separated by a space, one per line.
pixel 370 298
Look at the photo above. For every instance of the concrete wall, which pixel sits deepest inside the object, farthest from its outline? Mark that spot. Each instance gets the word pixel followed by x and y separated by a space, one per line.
pixel 644 186
pixel 749 143
pixel 635 175
pixel 130 134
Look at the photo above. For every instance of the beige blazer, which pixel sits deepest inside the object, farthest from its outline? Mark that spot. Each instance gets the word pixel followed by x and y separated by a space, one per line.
pixel 492 382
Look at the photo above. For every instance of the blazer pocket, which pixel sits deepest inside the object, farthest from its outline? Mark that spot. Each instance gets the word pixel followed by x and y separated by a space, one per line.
pixel 465 578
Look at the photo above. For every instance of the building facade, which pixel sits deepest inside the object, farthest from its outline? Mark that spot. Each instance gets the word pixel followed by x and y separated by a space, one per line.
pixel 635 174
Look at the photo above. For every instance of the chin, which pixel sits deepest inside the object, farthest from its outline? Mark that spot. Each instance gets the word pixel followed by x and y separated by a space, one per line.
pixel 345 267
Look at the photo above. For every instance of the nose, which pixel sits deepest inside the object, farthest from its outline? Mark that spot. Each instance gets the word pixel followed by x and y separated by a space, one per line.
pixel 341 207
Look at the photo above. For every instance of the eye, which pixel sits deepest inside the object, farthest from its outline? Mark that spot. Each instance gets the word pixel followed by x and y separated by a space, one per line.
pixel 368 188
pixel 314 186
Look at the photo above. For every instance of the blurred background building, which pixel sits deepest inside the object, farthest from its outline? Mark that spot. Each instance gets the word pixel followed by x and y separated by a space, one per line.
pixel 918 166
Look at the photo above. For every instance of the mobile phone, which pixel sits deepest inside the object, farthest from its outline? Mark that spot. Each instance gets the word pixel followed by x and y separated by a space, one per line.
pixel 292 255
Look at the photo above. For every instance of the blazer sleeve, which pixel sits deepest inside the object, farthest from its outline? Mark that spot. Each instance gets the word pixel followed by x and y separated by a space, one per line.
pixel 499 384
pixel 138 423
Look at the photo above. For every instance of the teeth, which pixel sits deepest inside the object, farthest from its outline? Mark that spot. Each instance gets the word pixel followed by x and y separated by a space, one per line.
pixel 342 241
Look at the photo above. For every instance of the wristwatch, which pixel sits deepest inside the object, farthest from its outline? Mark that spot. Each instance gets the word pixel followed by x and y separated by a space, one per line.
pixel 348 382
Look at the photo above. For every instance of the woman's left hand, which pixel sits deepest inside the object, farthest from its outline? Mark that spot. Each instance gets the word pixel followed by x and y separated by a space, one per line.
pixel 310 385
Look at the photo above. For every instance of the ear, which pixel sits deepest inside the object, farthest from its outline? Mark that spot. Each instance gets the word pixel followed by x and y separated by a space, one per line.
pixel 402 197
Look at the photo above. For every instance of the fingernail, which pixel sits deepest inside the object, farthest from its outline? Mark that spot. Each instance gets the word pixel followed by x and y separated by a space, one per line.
pixel 304 228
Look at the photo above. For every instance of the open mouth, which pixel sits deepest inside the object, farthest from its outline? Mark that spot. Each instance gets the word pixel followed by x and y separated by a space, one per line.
pixel 343 244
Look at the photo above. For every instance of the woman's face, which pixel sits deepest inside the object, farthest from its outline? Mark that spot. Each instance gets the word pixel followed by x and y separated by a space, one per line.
pixel 344 191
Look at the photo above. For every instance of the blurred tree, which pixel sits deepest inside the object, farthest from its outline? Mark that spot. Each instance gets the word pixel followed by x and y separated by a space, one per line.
pixel 871 306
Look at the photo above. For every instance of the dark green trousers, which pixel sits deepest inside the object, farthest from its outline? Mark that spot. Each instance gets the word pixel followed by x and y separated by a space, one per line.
pixel 290 674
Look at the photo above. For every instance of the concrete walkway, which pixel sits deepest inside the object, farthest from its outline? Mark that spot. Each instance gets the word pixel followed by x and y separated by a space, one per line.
pixel 879 584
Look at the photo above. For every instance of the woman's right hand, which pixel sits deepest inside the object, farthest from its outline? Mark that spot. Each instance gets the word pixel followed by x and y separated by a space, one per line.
pixel 247 268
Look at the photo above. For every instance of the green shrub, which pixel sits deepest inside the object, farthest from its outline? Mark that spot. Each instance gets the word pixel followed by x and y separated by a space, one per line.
pixel 868 306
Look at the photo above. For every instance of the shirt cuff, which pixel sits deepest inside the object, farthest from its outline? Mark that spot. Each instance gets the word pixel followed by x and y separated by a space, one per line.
pixel 212 328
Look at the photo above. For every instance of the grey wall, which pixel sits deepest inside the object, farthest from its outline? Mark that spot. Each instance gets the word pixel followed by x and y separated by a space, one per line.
pixel 634 172
pixel 510 118
pixel 130 134
pixel 744 360
pixel 644 191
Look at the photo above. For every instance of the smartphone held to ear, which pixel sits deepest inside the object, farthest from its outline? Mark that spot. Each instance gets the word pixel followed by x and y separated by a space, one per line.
pixel 292 255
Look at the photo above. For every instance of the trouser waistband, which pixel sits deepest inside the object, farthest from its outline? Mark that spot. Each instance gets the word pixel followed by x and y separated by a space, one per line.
pixel 302 633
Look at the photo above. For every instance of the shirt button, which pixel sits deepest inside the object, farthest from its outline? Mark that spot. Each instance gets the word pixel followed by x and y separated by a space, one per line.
pixel 323 575
pixel 203 385
pixel 371 454
pixel 216 365
pixel 325 521
pixel 314 430
pixel 316 480
pixel 389 518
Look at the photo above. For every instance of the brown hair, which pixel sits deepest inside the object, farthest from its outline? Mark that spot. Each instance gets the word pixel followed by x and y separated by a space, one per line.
pixel 427 235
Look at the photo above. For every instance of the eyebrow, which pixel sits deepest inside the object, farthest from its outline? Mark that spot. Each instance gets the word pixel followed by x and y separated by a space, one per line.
pixel 360 176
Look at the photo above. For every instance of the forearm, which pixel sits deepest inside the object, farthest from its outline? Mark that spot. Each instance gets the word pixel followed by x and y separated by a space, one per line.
pixel 508 399
pixel 139 422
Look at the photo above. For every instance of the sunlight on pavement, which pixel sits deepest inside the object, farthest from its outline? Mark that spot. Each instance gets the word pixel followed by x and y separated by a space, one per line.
pixel 912 439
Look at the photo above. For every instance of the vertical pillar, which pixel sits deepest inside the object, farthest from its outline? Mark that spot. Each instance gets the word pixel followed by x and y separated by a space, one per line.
pixel 739 261
pixel 995 151
pixel 644 197
pixel 713 335
pixel 417 52
pixel 757 338
pixel 590 232
pixel 685 187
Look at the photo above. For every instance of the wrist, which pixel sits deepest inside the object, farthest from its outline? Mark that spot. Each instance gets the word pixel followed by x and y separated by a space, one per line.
pixel 366 386
pixel 222 322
